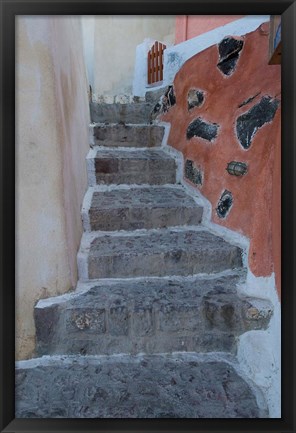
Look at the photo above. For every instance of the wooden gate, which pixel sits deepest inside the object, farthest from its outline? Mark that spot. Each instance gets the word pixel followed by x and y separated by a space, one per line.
pixel 155 63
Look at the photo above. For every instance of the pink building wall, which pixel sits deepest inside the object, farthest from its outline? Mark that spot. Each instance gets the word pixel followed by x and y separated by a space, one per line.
pixel 189 26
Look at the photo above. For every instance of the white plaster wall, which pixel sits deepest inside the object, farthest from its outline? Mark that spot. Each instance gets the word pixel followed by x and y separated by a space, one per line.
pixel 88 37
pixel 52 118
pixel 140 80
pixel 116 39
pixel 259 352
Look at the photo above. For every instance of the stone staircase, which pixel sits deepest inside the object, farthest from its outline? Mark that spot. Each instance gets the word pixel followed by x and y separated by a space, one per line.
pixel 151 329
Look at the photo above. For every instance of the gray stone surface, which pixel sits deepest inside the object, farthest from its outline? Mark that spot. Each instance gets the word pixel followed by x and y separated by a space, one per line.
pixel 138 112
pixel 128 135
pixel 115 166
pixel 137 208
pixel 153 96
pixel 159 386
pixel 152 315
pixel 159 253
pixel 149 315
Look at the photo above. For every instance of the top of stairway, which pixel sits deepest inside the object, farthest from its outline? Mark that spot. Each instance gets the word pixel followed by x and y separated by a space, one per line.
pixel 135 112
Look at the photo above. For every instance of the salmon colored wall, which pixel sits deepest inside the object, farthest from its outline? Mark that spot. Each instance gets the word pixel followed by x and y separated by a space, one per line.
pixel 276 203
pixel 189 26
pixel 256 195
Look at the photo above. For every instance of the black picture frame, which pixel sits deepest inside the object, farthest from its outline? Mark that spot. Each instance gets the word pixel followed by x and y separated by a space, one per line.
pixel 11 8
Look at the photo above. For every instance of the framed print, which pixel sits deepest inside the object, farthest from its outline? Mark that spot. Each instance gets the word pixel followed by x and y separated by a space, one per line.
pixel 147 216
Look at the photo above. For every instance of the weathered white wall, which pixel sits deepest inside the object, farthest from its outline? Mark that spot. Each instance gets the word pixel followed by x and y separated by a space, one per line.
pixel 88 36
pixel 116 39
pixel 140 81
pixel 52 118
pixel 259 352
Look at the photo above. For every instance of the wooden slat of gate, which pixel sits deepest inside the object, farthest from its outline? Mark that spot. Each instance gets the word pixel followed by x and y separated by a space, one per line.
pixel 152 64
pixel 161 62
pixel 156 62
pixel 149 67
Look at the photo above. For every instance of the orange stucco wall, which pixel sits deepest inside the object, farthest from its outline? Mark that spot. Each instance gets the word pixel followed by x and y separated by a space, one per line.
pixel 255 212
pixel 189 26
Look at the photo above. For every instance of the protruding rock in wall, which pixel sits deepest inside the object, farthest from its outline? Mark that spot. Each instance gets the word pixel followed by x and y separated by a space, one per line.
pixel 229 49
pixel 203 129
pixel 248 123
pixel 195 98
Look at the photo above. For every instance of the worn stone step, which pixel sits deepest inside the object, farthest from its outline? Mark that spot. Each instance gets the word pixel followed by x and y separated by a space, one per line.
pixel 137 208
pixel 200 314
pixel 155 386
pixel 161 252
pixel 127 135
pixel 131 166
pixel 138 112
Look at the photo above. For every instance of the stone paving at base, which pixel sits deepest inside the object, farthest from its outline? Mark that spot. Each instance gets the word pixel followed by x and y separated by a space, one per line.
pixel 155 386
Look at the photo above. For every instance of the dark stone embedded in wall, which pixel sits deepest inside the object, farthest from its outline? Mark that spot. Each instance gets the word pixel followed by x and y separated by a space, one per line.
pixel 165 103
pixel 248 123
pixel 157 110
pixel 224 204
pixel 195 98
pixel 170 95
pixel 153 96
pixel 200 128
pixel 229 49
pixel 192 173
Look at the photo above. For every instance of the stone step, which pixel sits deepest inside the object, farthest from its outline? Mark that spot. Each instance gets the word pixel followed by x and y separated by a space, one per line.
pixel 127 135
pixel 139 112
pixel 155 386
pixel 161 252
pixel 138 208
pixel 200 314
pixel 131 166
